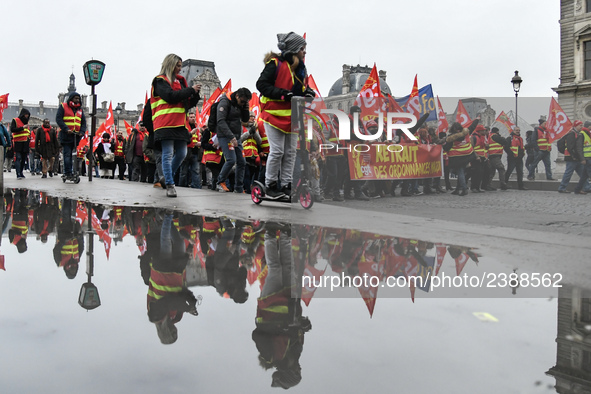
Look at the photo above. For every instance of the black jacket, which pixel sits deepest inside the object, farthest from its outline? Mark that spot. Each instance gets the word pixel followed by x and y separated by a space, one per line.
pixel 574 145
pixel 230 117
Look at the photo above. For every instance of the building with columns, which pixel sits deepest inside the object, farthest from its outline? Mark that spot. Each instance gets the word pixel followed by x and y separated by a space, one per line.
pixel 574 90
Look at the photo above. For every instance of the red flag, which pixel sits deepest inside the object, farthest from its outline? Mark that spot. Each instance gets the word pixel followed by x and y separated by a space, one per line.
pixel 102 234
pixel 139 119
pixel 207 106
pixel 462 116
pixel 82 143
pixel 461 261
pixel 255 106
pixel 109 122
pixel 227 89
pixel 505 121
pixel 81 214
pixel 98 136
pixel 128 128
pixel 370 265
pixel 442 124
pixel 440 251
pixel 308 289
pixel 558 123
pixel 3 104
pixel 367 98
pixel 2 262
pixel 413 106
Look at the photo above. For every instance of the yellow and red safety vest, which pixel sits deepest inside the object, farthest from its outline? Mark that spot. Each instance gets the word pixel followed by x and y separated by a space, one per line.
pixel 72 119
pixel 166 115
pixel 21 136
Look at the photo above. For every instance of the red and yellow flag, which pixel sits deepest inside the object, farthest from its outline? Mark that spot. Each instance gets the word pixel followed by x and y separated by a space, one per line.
pixel 558 123
pixel 462 116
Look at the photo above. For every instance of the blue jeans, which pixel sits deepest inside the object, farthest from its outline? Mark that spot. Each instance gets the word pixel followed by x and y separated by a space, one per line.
pixel 191 167
pixel 460 173
pixel 19 163
pixel 231 157
pixel 571 166
pixel 544 157
pixel 173 154
pixel 67 150
pixel 171 242
pixel 584 177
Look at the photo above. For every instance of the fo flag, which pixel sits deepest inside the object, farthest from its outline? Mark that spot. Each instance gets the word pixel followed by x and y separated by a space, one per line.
pixel 462 116
pixel 505 121
pixel 442 124
pixel 558 123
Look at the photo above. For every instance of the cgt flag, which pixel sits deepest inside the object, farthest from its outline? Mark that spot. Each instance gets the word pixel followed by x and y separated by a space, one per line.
pixel 462 116
pixel 367 98
pixel 558 123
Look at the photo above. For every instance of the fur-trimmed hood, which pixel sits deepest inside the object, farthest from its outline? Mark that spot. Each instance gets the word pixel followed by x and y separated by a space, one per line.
pixel 457 136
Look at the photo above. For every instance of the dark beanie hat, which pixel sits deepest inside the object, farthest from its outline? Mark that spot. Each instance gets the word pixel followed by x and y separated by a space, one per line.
pixel 290 42
pixel 541 120
pixel 494 130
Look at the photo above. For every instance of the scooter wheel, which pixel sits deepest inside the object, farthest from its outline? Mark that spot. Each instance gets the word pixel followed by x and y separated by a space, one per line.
pixel 305 197
pixel 77 180
pixel 256 194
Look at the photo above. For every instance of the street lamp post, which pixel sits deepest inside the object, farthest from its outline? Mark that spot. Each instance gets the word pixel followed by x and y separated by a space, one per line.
pixel 93 74
pixel 118 109
pixel 516 81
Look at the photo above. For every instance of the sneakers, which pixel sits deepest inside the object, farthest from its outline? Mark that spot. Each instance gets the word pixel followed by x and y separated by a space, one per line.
pixel 286 189
pixel 563 191
pixel 50 174
pixel 170 191
pixel 43 176
pixel 361 196
pixel 222 187
pixel 273 192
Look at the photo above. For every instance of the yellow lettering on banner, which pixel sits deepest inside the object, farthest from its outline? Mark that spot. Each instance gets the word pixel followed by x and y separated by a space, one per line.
pixel 381 172
pixel 382 156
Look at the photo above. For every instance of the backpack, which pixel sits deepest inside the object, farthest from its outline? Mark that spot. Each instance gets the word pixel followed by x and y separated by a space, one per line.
pixel 212 122
pixel 561 144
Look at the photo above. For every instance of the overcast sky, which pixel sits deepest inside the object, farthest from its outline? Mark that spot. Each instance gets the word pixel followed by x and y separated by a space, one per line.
pixel 464 48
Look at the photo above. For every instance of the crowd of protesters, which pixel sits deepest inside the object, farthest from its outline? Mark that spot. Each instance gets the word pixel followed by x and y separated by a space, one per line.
pixel 234 149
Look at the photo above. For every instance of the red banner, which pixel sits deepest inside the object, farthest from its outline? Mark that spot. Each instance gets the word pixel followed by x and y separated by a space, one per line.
pixel 558 123
pixel 382 161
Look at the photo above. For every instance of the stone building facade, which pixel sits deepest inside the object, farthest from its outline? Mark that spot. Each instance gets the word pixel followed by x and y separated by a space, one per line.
pixel 574 90
pixel 573 342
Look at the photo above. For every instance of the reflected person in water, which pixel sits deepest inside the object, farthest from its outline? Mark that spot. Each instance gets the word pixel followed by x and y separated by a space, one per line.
pixel 69 244
pixel 17 235
pixel 280 326
pixel 223 269
pixel 168 295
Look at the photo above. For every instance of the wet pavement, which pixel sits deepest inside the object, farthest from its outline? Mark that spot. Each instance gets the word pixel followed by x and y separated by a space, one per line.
pixel 127 297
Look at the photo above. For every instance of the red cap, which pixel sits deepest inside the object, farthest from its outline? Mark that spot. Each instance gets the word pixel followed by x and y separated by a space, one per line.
pixel 577 123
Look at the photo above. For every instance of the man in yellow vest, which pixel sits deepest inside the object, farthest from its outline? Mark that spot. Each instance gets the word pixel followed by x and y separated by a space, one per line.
pixel 542 148
pixel 19 127
pixel 586 172
pixel 72 123
pixel 496 145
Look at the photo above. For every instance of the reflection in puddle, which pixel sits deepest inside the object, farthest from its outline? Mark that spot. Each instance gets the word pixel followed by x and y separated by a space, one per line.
pixel 181 256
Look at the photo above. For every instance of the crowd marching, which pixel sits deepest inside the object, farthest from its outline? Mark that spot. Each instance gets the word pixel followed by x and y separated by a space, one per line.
pixel 168 148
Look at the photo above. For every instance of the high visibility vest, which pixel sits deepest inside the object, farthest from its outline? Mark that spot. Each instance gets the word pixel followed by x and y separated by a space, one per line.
pixel 516 143
pixel 21 136
pixel 21 226
pixel 586 145
pixel 163 283
pixel 194 140
pixel 277 112
pixel 69 251
pixel 212 156
pixel 166 115
pixel 543 142
pixel 119 149
pixel 480 146
pixel 461 148
pixel 264 148
pixel 494 148
pixel 72 119
pixel 249 147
